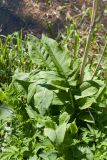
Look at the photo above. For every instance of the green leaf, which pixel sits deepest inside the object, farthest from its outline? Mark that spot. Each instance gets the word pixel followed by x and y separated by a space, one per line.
pixel 56 135
pixel 60 56
pixel 50 133
pixel 49 123
pixel 21 76
pixel 87 104
pixel 89 92
pixel 60 158
pixel 51 78
pixel 31 92
pixel 100 92
pixel 2 96
pixel 33 157
pixel 73 128
pixel 64 118
pixel 49 155
pixel 31 113
pixel 43 99
pixel 5 112
pixel 60 133
pixel 88 89
pixel 57 100
pixel 61 97
pixel 87 117
pixel 38 52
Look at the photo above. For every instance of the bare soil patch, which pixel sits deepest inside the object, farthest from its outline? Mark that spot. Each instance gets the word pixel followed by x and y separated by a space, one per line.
pixel 38 17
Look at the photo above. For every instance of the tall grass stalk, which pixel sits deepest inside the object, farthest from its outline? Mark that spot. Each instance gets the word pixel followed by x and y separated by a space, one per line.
pixel 102 54
pixel 88 41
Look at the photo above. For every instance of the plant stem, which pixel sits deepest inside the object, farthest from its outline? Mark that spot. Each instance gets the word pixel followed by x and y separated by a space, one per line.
pixel 102 54
pixel 88 41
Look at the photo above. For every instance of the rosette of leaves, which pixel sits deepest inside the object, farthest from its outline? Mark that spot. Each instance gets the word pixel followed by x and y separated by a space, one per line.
pixel 54 101
pixel 58 77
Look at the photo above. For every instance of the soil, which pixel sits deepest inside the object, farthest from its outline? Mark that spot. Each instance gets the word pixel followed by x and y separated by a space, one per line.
pixel 39 17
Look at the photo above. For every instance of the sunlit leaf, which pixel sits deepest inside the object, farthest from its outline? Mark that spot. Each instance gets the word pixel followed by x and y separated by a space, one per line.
pixel 64 118
pixel 73 128
pixel 42 99
pixel 87 103
pixel 50 133
pixel 60 133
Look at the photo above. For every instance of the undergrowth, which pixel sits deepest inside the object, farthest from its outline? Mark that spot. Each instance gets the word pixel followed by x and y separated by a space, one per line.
pixel 48 110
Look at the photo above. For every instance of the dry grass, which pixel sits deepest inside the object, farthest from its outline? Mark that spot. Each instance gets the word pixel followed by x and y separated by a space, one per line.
pixel 39 12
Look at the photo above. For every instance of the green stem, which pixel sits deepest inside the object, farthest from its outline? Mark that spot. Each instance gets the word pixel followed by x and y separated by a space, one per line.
pixel 88 42
pixel 103 52
pixel 72 101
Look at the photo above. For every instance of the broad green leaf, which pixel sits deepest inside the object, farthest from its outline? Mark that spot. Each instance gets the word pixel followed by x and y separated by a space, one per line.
pixel 50 133
pixel 52 75
pixel 49 155
pixel 64 118
pixel 100 92
pixel 56 135
pixel 52 156
pixel 37 52
pixel 89 92
pixel 50 124
pixel 88 89
pixel 31 113
pixel 57 100
pixel 20 87
pixel 60 158
pixel 5 112
pixel 43 99
pixel 87 73
pixel 86 85
pixel 61 97
pixel 59 55
pixel 87 104
pixel 31 92
pixel 51 78
pixel 33 157
pixel 73 128
pixel 60 133
pixel 74 73
pixel 21 76
pixel 38 147
pixel 20 82
pixel 59 84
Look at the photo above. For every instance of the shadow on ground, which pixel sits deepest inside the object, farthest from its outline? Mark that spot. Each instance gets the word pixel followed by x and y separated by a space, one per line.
pixel 37 17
